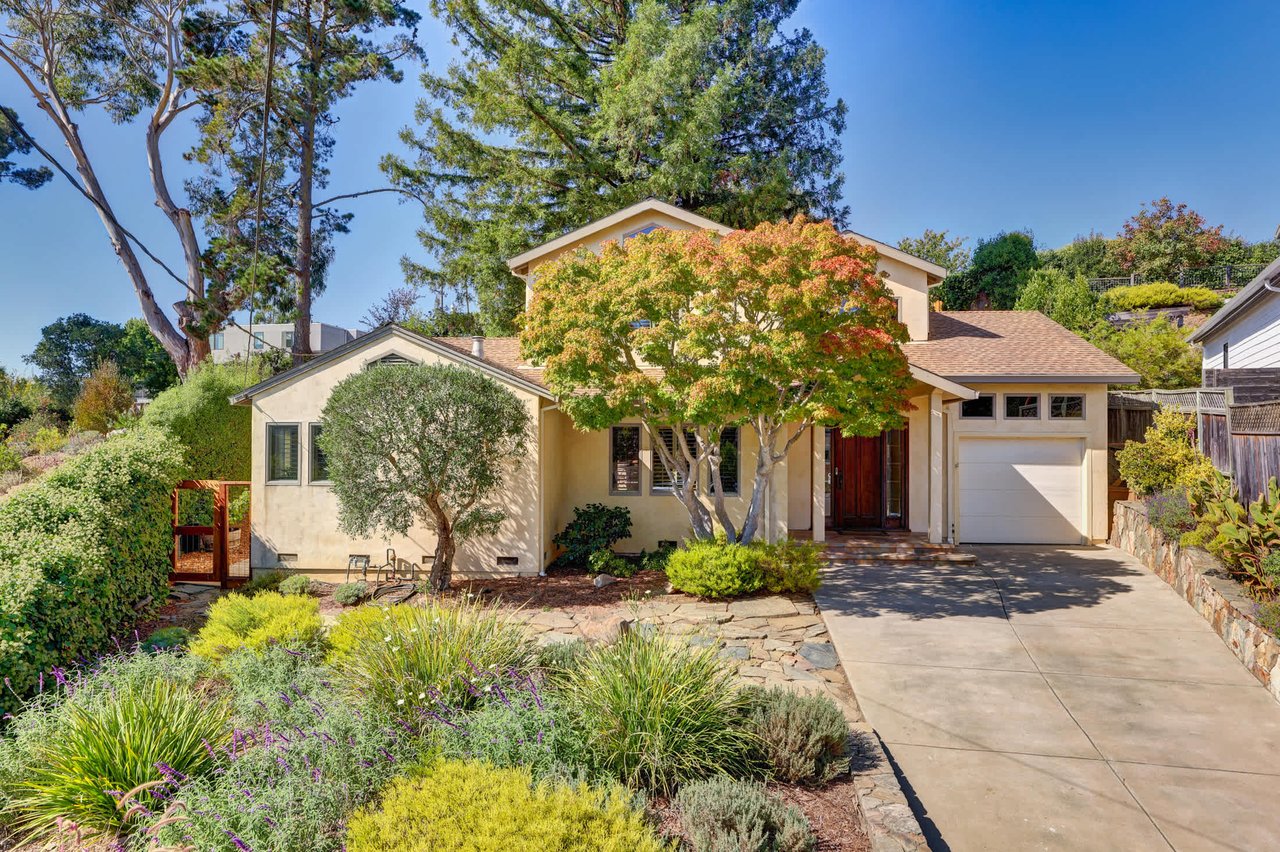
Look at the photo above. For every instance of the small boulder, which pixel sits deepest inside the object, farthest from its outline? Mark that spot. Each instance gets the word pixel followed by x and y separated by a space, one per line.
pixel 603 580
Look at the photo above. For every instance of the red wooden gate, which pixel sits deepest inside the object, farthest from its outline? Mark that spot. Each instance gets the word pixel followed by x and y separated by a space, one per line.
pixel 211 532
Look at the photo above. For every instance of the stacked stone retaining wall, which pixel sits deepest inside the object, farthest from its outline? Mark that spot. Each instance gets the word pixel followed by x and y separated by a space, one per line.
pixel 1201 580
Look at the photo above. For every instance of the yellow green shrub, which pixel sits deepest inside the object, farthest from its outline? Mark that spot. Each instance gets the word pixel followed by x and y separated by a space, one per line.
pixel 457 805
pixel 269 618
pixel 1166 458
pixel 1160 294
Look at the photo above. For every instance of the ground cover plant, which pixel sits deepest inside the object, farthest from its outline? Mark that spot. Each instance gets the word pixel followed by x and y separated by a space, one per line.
pixel 717 569
pixel 433 725
pixel 268 618
pixel 457 805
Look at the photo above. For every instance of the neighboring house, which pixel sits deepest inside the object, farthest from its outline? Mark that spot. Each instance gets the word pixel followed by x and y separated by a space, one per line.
pixel 1242 340
pixel 238 342
pixel 1006 441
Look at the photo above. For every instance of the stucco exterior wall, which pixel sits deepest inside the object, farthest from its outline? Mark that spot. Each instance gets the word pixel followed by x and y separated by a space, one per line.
pixel 236 342
pixel 302 518
pixel 911 285
pixel 1252 338
pixel 583 477
pixel 619 230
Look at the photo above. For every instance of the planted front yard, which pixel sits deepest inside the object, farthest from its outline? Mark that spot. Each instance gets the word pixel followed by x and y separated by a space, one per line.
pixel 622 717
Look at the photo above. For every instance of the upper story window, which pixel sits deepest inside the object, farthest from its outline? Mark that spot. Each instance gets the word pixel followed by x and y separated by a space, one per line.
pixel 663 479
pixel 258 340
pixel 1022 406
pixel 624 460
pixel 286 340
pixel 282 452
pixel 982 408
pixel 217 341
pixel 1066 406
pixel 647 229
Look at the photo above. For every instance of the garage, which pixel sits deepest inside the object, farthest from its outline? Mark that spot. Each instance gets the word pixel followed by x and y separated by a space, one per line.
pixel 1020 491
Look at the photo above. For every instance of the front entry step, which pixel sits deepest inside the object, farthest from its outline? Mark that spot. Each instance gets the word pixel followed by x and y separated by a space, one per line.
pixel 869 550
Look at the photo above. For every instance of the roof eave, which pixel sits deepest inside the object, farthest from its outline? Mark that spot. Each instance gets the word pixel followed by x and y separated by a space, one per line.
pixel 245 397
pixel 581 233
pixel 1251 293
pixel 1050 379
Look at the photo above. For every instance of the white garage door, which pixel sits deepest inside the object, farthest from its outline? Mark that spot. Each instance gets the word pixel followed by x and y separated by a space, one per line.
pixel 1020 490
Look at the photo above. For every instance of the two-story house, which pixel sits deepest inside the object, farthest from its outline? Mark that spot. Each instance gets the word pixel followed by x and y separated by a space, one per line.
pixel 1007 441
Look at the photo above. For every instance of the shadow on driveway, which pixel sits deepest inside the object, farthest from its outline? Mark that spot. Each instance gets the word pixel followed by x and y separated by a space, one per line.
pixel 1005 579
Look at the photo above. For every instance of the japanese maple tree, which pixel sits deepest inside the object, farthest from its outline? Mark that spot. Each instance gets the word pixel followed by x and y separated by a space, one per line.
pixel 780 328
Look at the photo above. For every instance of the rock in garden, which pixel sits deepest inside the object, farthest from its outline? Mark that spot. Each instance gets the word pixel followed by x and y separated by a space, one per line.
pixel 603 580
pixel 822 656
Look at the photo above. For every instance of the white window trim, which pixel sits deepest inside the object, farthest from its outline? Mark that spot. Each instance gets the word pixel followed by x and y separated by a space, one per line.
pixel 1004 406
pixel 267 460
pixel 1084 407
pixel 995 402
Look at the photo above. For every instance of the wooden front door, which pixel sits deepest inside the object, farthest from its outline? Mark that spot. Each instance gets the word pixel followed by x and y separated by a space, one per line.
pixel 859 482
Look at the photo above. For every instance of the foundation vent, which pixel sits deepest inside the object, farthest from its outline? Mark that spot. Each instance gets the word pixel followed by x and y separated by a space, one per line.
pixel 508 561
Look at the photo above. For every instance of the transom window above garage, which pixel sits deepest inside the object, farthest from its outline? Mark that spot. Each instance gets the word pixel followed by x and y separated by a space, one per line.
pixel 982 408
pixel 1021 406
pixel 1066 406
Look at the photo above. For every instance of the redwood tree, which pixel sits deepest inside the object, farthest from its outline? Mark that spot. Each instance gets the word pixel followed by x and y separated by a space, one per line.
pixel 786 323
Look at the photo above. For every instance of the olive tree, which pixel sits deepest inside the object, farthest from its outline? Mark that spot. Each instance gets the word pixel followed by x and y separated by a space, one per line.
pixel 422 444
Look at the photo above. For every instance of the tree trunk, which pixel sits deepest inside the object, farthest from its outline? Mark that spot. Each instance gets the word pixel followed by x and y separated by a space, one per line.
pixel 305 258
pixel 446 547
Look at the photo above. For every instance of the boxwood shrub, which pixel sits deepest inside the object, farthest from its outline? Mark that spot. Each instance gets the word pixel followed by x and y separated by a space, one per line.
pixel 82 551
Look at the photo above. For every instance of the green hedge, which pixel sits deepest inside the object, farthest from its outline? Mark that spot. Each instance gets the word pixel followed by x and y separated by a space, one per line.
pixel 79 549
pixel 1160 294
pixel 216 435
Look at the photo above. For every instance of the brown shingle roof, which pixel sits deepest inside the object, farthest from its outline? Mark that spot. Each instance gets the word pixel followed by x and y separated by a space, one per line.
pixel 962 346
pixel 995 345
pixel 501 352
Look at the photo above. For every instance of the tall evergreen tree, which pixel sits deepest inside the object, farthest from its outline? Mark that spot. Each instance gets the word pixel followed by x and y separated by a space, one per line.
pixel 323 50
pixel 13 141
pixel 562 111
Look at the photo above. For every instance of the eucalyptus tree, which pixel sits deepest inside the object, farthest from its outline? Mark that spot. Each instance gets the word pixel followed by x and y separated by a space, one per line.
pixel 128 59
pixel 14 143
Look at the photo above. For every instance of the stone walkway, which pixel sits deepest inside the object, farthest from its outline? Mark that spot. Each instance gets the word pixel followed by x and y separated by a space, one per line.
pixel 773 640
pixel 1058 698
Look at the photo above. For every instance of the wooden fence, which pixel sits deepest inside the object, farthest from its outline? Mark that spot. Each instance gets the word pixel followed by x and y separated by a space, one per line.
pixel 1260 384
pixel 1241 439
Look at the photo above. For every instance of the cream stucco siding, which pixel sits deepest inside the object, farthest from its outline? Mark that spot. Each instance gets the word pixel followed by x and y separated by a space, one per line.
pixel 656 516
pixel 911 287
pixel 302 518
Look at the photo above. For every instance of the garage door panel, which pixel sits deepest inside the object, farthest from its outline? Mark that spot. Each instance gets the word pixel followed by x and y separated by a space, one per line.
pixel 1020 490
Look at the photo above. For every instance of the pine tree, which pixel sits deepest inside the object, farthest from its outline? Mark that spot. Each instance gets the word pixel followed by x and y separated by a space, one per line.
pixel 562 111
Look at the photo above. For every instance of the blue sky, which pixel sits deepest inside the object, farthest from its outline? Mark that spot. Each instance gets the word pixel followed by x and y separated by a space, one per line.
pixel 974 117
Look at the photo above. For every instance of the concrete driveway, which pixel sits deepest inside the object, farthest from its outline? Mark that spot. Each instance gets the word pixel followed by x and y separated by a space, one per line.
pixel 1058 698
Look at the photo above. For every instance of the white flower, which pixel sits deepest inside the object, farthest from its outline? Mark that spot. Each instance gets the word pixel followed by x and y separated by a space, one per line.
pixel 386 638
pixel 401 701
pixel 422 695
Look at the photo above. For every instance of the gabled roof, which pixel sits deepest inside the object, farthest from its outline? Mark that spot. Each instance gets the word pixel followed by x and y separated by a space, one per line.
pixel 1011 346
pixel 498 361
pixel 933 270
pixel 1255 291
pixel 649 205
pixel 653 205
